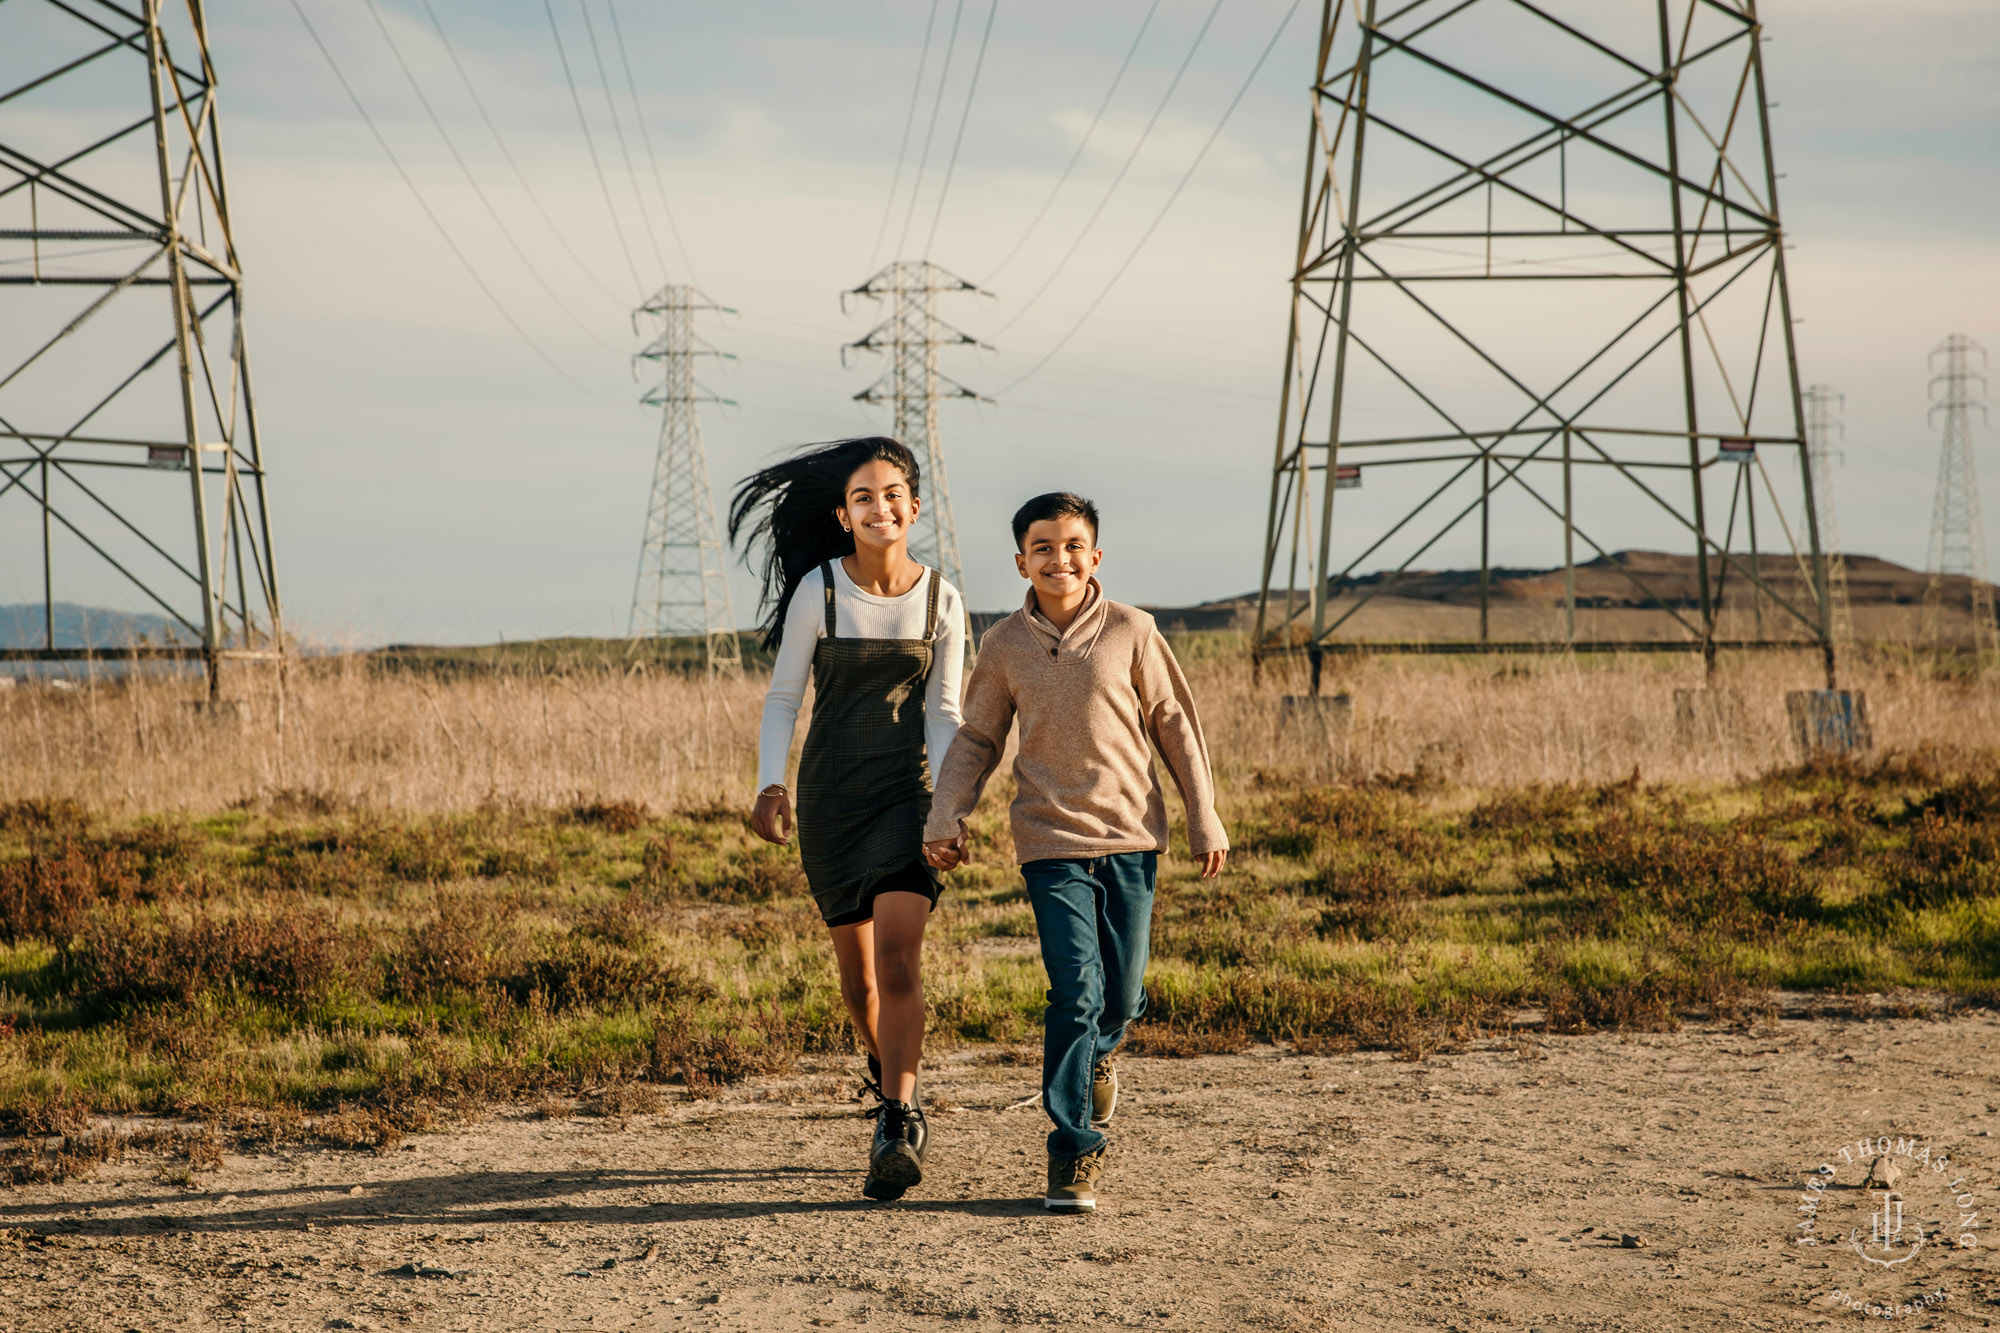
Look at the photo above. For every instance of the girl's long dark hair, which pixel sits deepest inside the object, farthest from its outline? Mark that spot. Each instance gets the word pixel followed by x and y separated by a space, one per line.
pixel 784 514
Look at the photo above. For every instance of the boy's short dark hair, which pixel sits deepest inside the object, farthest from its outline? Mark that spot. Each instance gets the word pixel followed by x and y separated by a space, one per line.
pixel 1056 504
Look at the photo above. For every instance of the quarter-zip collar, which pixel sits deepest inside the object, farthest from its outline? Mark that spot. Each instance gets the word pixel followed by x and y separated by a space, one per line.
pixel 1074 643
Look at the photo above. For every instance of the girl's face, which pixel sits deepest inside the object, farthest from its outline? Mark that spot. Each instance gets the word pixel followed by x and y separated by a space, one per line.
pixel 880 507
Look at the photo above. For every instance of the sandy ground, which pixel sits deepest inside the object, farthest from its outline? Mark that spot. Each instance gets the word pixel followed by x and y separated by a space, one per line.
pixel 1487 1189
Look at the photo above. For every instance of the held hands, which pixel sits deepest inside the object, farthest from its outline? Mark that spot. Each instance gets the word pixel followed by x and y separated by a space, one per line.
pixel 771 820
pixel 949 853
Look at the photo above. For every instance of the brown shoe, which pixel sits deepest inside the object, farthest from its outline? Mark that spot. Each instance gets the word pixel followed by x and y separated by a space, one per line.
pixel 1073 1182
pixel 1103 1092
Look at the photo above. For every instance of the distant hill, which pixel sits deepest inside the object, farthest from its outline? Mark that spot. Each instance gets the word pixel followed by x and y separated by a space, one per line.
pixel 1523 604
pixel 21 626
pixel 1626 595
pixel 558 656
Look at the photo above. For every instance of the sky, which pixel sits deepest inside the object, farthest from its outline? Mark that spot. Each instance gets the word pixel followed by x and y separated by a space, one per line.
pixel 440 476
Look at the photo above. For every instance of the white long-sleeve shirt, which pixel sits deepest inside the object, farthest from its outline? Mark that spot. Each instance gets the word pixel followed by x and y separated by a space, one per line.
pixel 861 615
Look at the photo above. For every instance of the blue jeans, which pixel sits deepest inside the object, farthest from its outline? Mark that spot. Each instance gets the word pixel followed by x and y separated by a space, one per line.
pixel 1095 917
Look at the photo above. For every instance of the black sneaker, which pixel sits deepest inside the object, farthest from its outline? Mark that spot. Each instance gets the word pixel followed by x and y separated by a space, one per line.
pixel 896 1157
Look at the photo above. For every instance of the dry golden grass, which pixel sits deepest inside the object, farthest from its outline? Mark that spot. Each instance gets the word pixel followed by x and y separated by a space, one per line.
pixel 345 733
pixel 1494 722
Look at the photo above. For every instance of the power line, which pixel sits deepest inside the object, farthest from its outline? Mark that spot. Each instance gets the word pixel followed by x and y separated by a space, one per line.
pixel 1958 537
pixel 923 158
pixel 1082 144
pixel 590 143
pixel 519 175
pixel 682 586
pixel 424 204
pixel 911 336
pixel 452 146
pixel 646 137
pixel 1119 179
pixel 979 63
pixel 618 129
pixel 1823 407
pixel 1214 134
pixel 902 150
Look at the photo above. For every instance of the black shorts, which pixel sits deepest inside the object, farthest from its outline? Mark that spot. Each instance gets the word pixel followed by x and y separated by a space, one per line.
pixel 915 877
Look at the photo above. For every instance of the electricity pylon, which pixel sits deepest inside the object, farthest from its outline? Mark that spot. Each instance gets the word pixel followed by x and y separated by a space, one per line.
pixel 126 374
pixel 1539 293
pixel 1823 427
pixel 1958 538
pixel 683 585
pixel 912 335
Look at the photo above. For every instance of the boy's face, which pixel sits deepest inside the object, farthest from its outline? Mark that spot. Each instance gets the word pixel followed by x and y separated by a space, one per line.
pixel 1059 556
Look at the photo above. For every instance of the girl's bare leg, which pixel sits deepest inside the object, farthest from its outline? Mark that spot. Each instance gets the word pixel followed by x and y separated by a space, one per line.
pixel 854 950
pixel 898 973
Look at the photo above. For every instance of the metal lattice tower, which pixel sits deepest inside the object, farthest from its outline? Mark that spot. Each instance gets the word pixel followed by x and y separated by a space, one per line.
pixel 683 585
pixel 1539 294
pixel 911 335
pixel 1958 538
pixel 127 419
pixel 1824 427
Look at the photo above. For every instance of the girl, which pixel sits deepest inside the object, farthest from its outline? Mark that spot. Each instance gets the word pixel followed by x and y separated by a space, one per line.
pixel 883 639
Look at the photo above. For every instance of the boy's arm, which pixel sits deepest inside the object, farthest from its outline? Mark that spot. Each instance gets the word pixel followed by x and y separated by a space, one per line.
pixel 988 713
pixel 1168 707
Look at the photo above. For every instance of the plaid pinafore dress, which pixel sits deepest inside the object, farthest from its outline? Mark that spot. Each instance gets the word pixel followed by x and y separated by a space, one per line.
pixel 864 782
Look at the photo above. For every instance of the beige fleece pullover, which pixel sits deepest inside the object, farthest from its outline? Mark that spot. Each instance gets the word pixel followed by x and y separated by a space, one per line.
pixel 1088 698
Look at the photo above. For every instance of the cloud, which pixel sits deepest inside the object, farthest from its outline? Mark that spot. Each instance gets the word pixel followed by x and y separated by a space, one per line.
pixel 432 479
pixel 1173 143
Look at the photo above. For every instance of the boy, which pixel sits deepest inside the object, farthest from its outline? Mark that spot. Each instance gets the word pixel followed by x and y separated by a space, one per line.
pixel 1092 682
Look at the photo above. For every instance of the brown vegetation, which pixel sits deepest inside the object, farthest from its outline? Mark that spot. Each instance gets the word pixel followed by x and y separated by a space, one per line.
pixel 432 894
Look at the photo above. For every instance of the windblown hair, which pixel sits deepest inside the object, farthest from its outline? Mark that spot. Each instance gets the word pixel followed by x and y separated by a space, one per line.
pixel 784 514
pixel 1056 504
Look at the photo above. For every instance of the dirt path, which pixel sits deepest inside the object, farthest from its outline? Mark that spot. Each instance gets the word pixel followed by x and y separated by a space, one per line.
pixel 1488 1189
